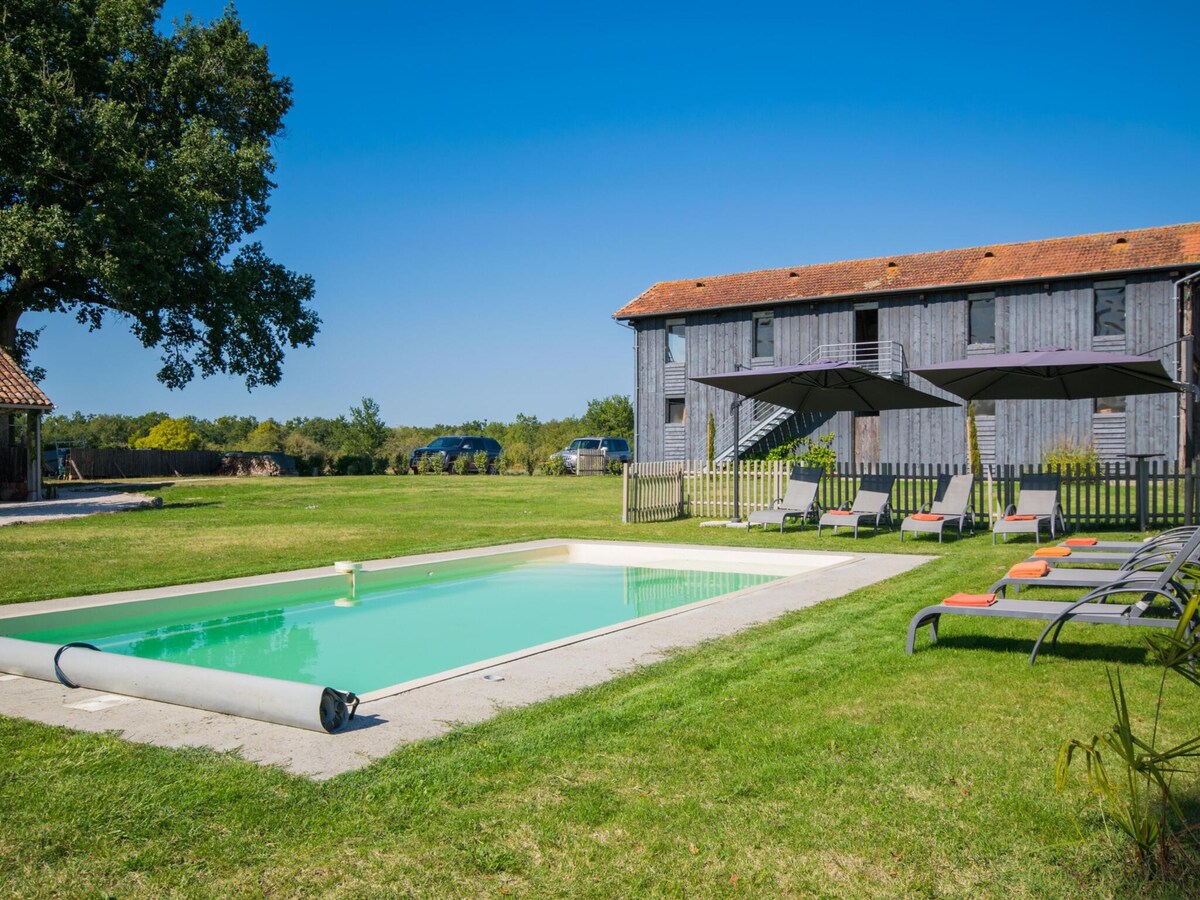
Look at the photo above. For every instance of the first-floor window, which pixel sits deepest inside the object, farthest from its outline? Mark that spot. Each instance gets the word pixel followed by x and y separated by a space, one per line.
pixel 1109 308
pixel 985 407
pixel 764 335
pixel 676 341
pixel 981 318
pixel 676 413
pixel 1105 405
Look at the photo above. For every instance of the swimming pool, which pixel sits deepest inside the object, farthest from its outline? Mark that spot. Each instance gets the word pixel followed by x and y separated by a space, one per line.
pixel 403 627
pixel 399 624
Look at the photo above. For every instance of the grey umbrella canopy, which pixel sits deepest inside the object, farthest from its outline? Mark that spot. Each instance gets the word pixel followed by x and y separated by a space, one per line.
pixel 1050 375
pixel 824 386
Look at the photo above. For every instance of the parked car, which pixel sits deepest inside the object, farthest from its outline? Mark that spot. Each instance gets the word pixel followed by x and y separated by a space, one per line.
pixel 451 448
pixel 613 447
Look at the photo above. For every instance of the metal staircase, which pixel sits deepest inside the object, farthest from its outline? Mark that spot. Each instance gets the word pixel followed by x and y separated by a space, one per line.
pixel 759 419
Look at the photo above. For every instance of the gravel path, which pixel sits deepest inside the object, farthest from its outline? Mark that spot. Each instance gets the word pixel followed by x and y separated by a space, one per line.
pixel 72 504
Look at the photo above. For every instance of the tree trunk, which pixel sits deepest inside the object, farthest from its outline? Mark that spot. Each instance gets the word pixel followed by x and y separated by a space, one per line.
pixel 10 314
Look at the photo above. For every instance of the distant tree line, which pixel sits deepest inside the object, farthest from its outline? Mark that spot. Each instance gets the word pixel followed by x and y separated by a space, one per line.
pixel 359 442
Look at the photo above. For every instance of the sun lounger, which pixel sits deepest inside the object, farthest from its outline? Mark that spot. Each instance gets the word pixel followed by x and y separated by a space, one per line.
pixel 1144 570
pixel 1100 606
pixel 951 506
pixel 1037 507
pixel 1148 555
pixel 872 503
pixel 1077 544
pixel 798 502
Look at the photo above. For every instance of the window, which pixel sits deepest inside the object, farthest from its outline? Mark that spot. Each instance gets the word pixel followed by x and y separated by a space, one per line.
pixel 764 335
pixel 1106 405
pixel 676 414
pixel 1110 308
pixel 676 344
pixel 985 407
pixel 981 318
pixel 616 445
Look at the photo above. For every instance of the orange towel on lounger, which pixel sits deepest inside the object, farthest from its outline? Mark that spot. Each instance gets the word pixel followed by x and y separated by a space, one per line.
pixel 1081 542
pixel 927 517
pixel 840 512
pixel 1034 569
pixel 1052 551
pixel 970 600
pixel 1019 518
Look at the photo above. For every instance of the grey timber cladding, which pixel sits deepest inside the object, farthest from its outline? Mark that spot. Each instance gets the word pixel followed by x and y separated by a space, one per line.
pixel 931 329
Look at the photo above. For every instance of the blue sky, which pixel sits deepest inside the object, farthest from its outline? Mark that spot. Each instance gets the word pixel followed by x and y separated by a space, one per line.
pixel 477 187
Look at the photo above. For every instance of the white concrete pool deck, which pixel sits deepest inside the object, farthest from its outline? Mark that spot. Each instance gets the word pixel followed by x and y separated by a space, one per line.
pixel 439 704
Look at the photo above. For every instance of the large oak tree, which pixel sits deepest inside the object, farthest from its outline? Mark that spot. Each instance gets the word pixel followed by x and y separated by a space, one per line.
pixel 134 164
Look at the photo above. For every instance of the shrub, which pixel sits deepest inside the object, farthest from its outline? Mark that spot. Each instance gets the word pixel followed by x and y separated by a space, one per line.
pixel 555 466
pixel 710 439
pixel 1079 456
pixel 807 451
pixel 353 465
pixel 481 461
pixel 974 458
pixel 614 466
pixel 431 464
pixel 461 464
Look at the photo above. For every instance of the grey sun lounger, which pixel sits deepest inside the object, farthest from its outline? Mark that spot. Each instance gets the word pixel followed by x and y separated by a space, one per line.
pixel 798 502
pixel 1165 579
pixel 1093 608
pixel 1038 497
pixel 952 501
pixel 1177 535
pixel 1152 553
pixel 872 503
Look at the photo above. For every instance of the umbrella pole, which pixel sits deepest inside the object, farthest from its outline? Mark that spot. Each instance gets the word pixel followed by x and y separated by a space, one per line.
pixel 736 408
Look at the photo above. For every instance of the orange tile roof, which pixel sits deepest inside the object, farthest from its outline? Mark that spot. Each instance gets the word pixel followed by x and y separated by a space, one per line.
pixel 1115 251
pixel 16 390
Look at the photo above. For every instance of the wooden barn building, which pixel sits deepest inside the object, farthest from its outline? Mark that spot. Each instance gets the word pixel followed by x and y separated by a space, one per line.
pixel 1123 291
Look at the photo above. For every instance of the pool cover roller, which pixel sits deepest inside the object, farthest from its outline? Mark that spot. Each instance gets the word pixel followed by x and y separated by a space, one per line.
pixel 251 696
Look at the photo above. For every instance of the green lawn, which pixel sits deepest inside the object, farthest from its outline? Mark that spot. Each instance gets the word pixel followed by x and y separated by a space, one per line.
pixel 808 756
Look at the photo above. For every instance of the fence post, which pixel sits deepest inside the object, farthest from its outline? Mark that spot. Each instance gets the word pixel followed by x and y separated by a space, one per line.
pixel 625 494
pixel 679 491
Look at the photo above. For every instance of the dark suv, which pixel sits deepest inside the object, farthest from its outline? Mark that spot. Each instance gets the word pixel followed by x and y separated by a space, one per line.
pixel 451 448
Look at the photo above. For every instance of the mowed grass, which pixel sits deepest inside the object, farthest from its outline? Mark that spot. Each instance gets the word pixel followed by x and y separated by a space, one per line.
pixel 805 757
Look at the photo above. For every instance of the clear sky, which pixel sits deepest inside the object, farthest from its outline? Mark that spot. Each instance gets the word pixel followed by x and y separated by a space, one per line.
pixel 477 187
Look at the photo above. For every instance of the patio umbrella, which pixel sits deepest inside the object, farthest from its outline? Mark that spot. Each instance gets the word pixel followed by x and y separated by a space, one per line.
pixel 822 386
pixel 1049 374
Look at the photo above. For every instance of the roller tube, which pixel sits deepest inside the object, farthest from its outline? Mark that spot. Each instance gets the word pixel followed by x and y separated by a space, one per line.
pixel 251 696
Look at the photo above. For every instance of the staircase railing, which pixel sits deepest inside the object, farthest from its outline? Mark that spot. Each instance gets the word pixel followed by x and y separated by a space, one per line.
pixel 758 419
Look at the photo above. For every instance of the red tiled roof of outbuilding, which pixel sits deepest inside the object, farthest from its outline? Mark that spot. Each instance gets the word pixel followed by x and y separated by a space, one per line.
pixel 17 390
pixel 1089 254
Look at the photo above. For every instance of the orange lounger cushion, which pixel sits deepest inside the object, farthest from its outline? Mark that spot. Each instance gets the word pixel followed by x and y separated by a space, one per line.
pixel 839 512
pixel 1081 542
pixel 1019 518
pixel 1052 551
pixel 927 517
pixel 970 600
pixel 1028 570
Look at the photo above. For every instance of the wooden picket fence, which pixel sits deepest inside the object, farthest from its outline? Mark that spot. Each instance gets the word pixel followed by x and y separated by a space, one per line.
pixel 1106 497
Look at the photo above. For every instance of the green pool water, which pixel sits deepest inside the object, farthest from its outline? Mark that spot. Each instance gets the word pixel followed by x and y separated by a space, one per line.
pixel 405 628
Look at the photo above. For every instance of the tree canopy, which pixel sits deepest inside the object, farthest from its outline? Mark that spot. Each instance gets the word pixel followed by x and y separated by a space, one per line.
pixel 134 165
